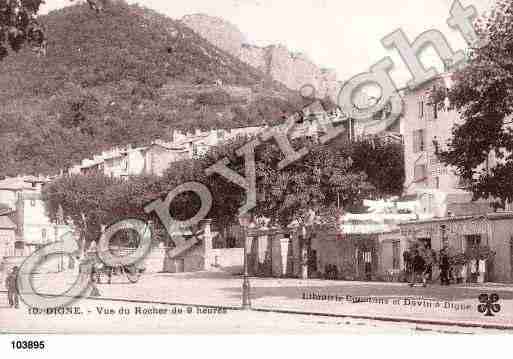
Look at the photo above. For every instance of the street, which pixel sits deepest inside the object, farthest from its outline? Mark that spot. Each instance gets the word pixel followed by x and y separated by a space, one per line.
pixel 319 306
pixel 108 317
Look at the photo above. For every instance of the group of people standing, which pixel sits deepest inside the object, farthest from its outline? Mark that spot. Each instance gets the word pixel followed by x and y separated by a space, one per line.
pixel 420 262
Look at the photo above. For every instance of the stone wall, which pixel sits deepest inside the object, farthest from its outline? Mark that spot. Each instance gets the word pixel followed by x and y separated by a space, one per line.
pixel 293 70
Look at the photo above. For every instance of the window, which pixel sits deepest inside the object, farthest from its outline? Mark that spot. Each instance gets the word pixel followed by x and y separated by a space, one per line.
pixel 194 149
pixel 472 241
pixel 419 143
pixel 33 202
pixel 220 134
pixel 437 182
pixel 420 173
pixel 435 111
pixel 43 234
pixel 421 108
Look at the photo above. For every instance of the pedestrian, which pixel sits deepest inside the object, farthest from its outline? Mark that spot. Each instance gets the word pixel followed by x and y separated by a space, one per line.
pixel 12 288
pixel 94 278
pixel 435 257
pixel 419 268
pixel 430 257
pixel 407 263
pixel 444 267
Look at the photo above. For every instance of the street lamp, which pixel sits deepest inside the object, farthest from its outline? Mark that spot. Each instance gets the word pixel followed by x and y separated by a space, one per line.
pixel 244 221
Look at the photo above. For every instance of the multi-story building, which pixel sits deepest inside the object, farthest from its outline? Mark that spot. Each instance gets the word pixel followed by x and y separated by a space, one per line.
pixel 426 129
pixel 156 157
pixel 130 161
pixel 7 230
pixel 426 126
pixel 450 218
pixel 30 227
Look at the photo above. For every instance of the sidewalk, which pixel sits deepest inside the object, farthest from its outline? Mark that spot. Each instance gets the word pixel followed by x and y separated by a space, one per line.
pixel 453 305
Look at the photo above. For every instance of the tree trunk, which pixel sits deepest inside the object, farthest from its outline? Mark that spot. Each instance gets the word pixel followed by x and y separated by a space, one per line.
pixel 304 254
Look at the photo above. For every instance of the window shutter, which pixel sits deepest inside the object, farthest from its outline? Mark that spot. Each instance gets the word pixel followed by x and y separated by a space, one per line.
pixel 421 108
pixel 419 141
pixel 422 140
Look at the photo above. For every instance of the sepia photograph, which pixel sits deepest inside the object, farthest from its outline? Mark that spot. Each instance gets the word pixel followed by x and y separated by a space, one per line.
pixel 258 167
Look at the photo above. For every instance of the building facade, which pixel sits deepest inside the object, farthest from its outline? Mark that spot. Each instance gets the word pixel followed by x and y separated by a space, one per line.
pixel 32 227
pixel 449 216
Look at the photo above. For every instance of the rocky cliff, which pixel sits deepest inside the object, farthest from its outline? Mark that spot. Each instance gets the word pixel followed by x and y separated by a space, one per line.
pixel 293 70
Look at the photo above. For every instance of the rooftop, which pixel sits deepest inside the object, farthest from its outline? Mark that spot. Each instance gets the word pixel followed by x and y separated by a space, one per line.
pixel 490 216
pixel 18 183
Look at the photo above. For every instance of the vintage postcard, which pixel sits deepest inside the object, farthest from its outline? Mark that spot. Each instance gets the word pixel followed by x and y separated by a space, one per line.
pixel 256 167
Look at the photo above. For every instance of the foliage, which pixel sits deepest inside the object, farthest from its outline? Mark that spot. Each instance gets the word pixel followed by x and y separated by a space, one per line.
pixel 88 202
pixel 321 181
pixel 483 97
pixel 118 77
pixel 383 162
pixel 18 25
pixel 462 258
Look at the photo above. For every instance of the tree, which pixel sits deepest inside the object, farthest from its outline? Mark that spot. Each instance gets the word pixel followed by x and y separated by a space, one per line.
pixel 323 178
pixel 18 25
pixel 382 162
pixel 327 180
pixel 313 189
pixel 482 95
pixel 92 201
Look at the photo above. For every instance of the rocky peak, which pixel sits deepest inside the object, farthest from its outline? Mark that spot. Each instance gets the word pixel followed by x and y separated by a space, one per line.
pixel 294 70
pixel 217 31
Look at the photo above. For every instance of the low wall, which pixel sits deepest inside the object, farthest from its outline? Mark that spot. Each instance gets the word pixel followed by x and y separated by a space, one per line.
pixel 228 259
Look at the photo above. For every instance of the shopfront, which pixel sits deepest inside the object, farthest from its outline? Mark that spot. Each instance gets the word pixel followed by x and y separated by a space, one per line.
pixel 479 245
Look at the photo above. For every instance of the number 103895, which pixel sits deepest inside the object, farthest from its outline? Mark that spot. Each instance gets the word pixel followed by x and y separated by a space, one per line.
pixel 28 344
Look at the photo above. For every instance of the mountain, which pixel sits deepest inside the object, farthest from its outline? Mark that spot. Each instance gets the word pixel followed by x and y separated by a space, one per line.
pixel 127 75
pixel 292 69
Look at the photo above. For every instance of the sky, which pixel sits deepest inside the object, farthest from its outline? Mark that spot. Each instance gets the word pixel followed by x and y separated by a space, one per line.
pixel 339 34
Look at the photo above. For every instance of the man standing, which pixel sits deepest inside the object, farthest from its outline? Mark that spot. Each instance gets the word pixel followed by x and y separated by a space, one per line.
pixel 407 263
pixel 419 266
pixel 430 263
pixel 444 267
pixel 12 288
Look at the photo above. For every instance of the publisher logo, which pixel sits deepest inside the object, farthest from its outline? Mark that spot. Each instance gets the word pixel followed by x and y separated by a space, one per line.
pixel 489 304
